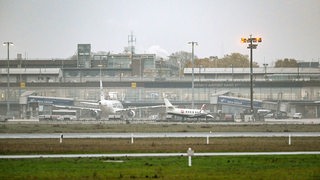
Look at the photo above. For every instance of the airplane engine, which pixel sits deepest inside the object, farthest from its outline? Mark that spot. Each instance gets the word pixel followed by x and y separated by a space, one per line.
pixel 131 113
pixel 96 114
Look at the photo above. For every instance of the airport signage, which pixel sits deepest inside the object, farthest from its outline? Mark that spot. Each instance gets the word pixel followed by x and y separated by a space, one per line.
pixel 51 100
pixel 225 100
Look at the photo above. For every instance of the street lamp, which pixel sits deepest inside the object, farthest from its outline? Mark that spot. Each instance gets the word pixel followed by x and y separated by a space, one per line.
pixel 192 62
pixel 251 46
pixel 8 79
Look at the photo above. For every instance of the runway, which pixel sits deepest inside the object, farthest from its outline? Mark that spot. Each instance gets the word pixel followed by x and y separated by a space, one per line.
pixel 157 155
pixel 157 135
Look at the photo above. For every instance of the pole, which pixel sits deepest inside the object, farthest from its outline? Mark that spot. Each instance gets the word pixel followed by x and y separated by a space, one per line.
pixel 192 60
pixel 251 46
pixel 298 72
pixel 61 138
pixel 289 141
pixel 8 78
pixel 131 138
pixel 265 71
pixel 120 72
pixel 140 70
pixel 190 153
pixel 232 71
pixel 251 73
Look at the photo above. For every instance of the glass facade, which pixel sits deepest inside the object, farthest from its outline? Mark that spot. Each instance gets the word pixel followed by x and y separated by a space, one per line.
pixel 176 91
pixel 84 55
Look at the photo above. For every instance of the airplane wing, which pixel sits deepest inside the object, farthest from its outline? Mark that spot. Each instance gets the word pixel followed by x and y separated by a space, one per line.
pixel 136 108
pixel 91 103
pixel 144 107
pixel 78 107
pixel 202 115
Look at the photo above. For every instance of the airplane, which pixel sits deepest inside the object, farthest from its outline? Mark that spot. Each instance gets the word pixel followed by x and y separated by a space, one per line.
pixel 112 108
pixel 186 113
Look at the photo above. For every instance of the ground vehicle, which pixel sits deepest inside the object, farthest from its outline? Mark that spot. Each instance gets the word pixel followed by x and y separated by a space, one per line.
pixel 297 116
pixel 280 115
pixel 4 118
pixel 269 115
pixel 265 113
pixel 64 114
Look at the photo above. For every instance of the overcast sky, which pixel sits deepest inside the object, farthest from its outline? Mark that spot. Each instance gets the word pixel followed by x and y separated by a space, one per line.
pixel 53 28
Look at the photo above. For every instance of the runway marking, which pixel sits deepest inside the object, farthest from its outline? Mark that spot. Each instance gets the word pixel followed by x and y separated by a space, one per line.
pixel 114 161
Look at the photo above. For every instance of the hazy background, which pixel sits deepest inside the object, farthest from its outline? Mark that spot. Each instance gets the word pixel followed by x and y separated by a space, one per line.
pixel 53 28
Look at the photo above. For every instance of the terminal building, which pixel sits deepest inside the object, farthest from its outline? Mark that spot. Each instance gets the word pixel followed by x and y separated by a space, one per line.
pixel 142 79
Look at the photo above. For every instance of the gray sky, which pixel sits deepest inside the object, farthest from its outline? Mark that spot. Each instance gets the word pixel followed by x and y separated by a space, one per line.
pixel 53 28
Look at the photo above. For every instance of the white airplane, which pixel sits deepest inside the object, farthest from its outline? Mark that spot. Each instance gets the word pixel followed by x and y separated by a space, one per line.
pixel 112 106
pixel 189 113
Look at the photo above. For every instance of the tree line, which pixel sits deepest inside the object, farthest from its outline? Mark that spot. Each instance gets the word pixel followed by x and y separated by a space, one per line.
pixel 234 60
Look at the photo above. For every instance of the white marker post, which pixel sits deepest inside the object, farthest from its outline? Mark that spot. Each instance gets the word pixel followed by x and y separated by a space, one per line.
pixel 190 153
pixel 289 142
pixel 207 139
pixel 61 137
pixel 131 138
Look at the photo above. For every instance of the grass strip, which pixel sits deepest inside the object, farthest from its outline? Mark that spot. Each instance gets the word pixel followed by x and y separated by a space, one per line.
pixel 234 167
pixel 95 127
pixel 157 145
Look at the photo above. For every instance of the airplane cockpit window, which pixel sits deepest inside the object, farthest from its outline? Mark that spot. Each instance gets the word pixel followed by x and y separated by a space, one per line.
pixel 117 105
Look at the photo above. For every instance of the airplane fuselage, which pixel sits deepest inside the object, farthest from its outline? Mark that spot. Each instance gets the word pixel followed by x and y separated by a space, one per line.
pixel 112 105
pixel 191 113
pixel 186 112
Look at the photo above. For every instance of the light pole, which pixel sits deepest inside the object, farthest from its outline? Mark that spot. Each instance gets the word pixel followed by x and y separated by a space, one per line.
pixel 298 72
pixel 232 71
pixel 179 69
pixel 265 71
pixel 8 74
pixel 120 74
pixel 100 66
pixel 251 46
pixel 192 62
pixel 140 67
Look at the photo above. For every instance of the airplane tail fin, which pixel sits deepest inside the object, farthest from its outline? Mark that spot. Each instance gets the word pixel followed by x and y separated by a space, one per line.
pixel 167 103
pixel 203 108
pixel 102 98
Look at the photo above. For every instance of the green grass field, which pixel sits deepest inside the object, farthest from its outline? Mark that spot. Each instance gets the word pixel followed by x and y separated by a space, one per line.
pixel 224 167
pixel 59 127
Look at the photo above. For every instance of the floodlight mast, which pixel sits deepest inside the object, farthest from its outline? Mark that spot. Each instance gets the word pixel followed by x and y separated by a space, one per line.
pixel 251 46
pixel 192 61
pixel 8 44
